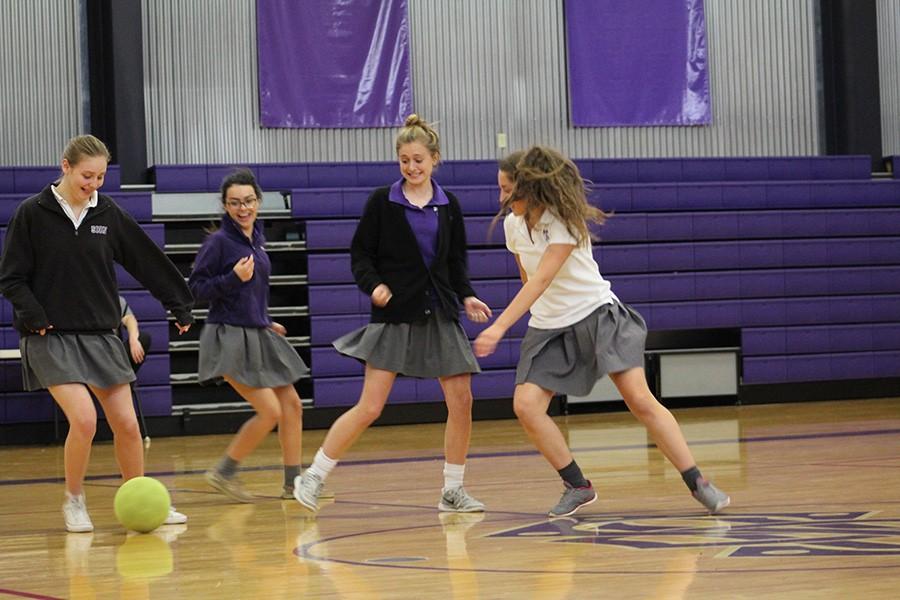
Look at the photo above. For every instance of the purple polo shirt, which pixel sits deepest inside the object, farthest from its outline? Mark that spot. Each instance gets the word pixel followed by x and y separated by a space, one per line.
pixel 422 221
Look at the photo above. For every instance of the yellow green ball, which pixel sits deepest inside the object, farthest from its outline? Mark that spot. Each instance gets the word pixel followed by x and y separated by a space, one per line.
pixel 142 504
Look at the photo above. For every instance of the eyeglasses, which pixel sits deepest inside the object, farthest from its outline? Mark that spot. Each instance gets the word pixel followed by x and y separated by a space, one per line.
pixel 250 202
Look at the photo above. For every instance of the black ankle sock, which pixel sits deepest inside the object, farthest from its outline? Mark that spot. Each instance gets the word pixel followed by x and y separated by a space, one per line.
pixel 290 471
pixel 572 475
pixel 690 477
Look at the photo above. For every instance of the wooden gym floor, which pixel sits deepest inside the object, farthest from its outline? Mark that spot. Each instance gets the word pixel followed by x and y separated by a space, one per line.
pixel 815 513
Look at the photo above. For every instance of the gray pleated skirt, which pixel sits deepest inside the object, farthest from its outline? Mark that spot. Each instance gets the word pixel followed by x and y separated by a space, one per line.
pixel 571 359
pixel 435 347
pixel 97 359
pixel 255 356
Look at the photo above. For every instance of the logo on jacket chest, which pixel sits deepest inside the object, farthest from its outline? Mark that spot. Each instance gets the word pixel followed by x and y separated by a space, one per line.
pixel 98 229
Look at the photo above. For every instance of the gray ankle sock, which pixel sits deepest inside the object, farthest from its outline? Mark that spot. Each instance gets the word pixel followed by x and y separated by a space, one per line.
pixel 572 475
pixel 290 471
pixel 227 467
pixel 690 477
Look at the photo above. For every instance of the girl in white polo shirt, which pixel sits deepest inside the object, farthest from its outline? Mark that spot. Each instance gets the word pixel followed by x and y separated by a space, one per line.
pixel 579 331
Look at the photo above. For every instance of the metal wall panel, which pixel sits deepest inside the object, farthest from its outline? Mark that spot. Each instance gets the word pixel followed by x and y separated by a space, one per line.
pixel 889 74
pixel 480 67
pixel 43 103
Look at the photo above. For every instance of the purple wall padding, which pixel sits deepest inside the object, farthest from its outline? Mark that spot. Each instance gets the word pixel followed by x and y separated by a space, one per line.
pixel 333 63
pixel 637 63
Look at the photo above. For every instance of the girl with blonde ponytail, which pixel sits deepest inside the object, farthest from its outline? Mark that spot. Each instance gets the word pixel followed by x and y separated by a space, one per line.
pixel 409 256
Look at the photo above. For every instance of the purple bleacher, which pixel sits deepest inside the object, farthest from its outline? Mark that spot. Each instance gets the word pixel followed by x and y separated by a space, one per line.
pixel 282 177
pixel 468 172
pixel 820 367
pixel 612 170
pixel 180 178
pixel 324 329
pixel 7 180
pixel 344 391
pixel 32 179
pixel 6 311
pixel 840 167
pixel 30 407
pixel 770 312
pixel 335 174
pixel 144 306
pixel 154 370
pixel 337 299
pixel 703 169
pixel 665 257
pixel 657 197
pixel 637 227
pixel 659 169
pixel 856 337
pixel 377 174
pixel 27 407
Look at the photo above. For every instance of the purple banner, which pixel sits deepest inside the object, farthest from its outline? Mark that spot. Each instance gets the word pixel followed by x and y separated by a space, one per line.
pixel 637 63
pixel 333 63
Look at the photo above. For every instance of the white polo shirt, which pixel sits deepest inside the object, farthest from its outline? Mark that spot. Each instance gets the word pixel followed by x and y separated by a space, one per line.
pixel 578 288
pixel 67 208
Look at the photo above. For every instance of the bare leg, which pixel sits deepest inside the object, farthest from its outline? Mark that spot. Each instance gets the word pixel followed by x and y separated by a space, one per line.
pixel 290 426
pixel 76 404
pixel 119 410
pixel 268 413
pixel 350 425
pixel 458 396
pixel 530 403
pixel 660 423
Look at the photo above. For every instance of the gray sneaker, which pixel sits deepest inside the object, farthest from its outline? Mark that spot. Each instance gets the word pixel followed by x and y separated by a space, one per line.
pixel 710 496
pixel 572 499
pixel 307 488
pixel 459 500
pixel 230 486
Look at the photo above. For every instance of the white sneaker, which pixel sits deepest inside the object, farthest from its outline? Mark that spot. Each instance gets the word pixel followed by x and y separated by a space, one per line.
pixel 175 517
pixel 76 515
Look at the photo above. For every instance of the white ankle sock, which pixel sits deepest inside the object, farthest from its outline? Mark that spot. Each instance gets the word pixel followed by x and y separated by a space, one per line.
pixel 322 465
pixel 453 475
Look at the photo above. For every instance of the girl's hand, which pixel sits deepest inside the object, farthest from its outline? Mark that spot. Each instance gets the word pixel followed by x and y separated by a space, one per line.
pixel 278 328
pixel 244 268
pixel 381 295
pixel 182 329
pixel 476 310
pixel 43 330
pixel 486 342
pixel 137 351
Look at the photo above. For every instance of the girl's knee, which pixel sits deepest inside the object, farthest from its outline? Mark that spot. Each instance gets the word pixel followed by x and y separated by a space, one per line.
pixel 525 411
pixel 270 414
pixel 83 427
pixel 128 429
pixel 644 406
pixel 460 403
pixel 369 412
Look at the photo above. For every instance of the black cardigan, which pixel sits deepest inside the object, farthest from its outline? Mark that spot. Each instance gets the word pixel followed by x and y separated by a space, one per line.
pixel 56 275
pixel 384 250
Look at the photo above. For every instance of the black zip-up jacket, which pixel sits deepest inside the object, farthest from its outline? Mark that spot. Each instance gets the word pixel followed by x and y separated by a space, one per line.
pixel 56 275
pixel 384 250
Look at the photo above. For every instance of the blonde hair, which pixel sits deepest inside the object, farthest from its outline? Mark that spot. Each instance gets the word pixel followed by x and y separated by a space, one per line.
pixel 83 146
pixel 416 129
pixel 546 179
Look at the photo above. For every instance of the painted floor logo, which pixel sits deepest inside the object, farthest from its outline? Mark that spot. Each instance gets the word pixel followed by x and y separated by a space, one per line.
pixel 744 535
